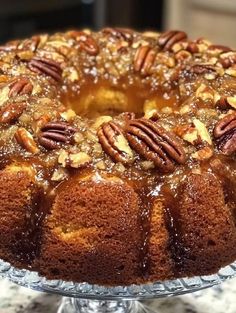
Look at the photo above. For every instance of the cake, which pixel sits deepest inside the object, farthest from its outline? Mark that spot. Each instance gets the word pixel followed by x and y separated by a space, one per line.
pixel 117 156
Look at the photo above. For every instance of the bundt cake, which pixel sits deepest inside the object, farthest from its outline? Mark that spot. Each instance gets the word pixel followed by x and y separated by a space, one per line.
pixel 117 156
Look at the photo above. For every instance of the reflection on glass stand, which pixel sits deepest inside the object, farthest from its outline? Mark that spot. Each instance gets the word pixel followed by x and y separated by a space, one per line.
pixel 92 298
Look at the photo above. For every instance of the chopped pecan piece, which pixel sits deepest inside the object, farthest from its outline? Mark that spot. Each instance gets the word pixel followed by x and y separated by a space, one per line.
pixel 192 47
pixel 226 103
pixel 46 66
pixel 10 46
pixel 26 140
pixel 12 111
pixel 53 134
pixel 114 143
pixel 21 86
pixel 225 134
pixel 30 44
pixel 86 42
pixel 154 143
pixel 144 59
pixel 128 116
pixel 227 59
pixel 169 38
pixel 119 33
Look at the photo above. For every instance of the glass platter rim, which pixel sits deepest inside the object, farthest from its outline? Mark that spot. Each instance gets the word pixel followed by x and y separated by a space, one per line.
pixel 32 280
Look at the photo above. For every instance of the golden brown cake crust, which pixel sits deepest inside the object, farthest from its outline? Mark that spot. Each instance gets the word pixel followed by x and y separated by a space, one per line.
pixel 206 232
pixel 117 155
pixel 94 225
pixel 18 193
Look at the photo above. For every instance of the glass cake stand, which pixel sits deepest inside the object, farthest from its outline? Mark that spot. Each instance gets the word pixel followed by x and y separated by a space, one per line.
pixel 83 297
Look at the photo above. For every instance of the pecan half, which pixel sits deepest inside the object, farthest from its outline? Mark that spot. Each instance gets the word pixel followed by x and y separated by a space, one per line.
pixel 53 134
pixel 144 59
pixel 169 38
pixel 12 111
pixel 26 140
pixel 86 42
pixel 227 59
pixel 21 86
pixel 156 144
pixel 30 44
pixel 46 66
pixel 219 48
pixel 114 143
pixel 119 33
pixel 225 134
pixel 203 69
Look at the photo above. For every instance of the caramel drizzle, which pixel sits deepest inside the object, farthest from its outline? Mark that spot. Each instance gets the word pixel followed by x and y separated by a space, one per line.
pixel 146 204
pixel 173 225
pixel 26 248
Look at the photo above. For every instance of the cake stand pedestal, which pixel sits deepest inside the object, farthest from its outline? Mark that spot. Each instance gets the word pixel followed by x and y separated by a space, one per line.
pixel 86 298
pixel 72 305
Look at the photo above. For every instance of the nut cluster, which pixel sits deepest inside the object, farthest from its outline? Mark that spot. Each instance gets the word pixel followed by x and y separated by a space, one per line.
pixel 86 42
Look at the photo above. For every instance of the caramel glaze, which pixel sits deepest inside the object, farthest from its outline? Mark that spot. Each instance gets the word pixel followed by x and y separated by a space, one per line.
pixel 134 96
pixel 222 167
pixel 133 92
pixel 173 225
pixel 26 249
pixel 146 203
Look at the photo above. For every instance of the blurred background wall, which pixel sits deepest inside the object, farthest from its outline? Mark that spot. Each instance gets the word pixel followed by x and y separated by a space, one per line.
pixel 214 19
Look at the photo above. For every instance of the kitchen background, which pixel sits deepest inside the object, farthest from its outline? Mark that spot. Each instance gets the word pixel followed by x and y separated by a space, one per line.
pixel 214 19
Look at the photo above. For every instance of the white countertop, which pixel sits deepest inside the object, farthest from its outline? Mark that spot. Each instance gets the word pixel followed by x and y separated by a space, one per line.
pixel 220 299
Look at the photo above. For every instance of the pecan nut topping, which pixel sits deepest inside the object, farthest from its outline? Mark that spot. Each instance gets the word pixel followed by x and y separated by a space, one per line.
pixel 26 140
pixel 225 102
pixel 192 47
pixel 10 46
pixel 12 111
pixel 119 33
pixel 53 134
pixel 30 44
pixel 220 48
pixel 19 87
pixel 114 143
pixel 46 66
pixel 169 38
pixel 127 116
pixel 225 134
pixel 227 59
pixel 203 69
pixel 86 42
pixel 144 59
pixel 156 144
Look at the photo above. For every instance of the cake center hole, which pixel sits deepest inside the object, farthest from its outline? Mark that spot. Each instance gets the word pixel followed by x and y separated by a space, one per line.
pixel 94 101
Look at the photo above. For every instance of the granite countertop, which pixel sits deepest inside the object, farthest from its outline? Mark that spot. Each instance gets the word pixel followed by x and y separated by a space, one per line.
pixel 219 299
